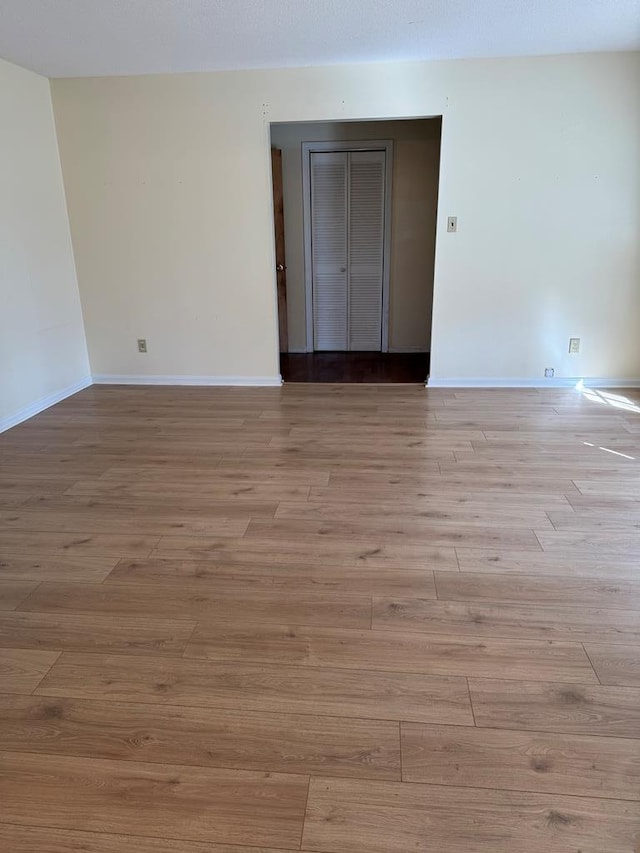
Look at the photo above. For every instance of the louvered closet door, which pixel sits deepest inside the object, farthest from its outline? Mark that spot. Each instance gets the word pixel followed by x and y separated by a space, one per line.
pixel 347 248
pixel 329 250
pixel 366 249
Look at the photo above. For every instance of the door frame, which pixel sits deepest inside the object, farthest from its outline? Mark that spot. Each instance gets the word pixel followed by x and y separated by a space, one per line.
pixel 309 148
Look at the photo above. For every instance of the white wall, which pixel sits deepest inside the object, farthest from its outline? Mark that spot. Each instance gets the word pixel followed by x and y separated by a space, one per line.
pixel 43 352
pixel 170 201
pixel 416 162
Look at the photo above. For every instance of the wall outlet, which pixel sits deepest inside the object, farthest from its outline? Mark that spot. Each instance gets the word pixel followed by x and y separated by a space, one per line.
pixel 142 345
pixel 452 223
pixel 574 345
pixel 549 373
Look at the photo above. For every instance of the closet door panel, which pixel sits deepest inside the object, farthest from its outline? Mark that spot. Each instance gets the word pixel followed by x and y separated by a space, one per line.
pixel 329 224
pixel 366 249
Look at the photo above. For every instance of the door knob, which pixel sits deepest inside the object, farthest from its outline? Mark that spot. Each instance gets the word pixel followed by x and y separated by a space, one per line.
pixel 280 268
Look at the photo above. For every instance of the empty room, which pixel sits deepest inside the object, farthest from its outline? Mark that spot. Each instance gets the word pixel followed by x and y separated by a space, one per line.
pixel 320 426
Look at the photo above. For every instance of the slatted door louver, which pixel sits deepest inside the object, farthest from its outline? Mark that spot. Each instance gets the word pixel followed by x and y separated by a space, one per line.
pixel 366 241
pixel 329 249
pixel 347 240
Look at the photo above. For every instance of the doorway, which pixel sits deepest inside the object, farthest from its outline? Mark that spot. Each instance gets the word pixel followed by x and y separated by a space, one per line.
pixel 359 203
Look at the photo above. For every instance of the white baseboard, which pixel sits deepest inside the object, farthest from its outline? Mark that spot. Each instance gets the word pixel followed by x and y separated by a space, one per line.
pixel 128 379
pixel 556 382
pixel 43 403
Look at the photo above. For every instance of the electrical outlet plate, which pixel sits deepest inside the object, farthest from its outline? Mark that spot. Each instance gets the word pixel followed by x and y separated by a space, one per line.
pixel 574 345
pixel 549 373
pixel 142 345
pixel 452 224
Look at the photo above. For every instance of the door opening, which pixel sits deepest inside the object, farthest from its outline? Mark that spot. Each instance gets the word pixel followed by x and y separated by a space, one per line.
pixel 359 208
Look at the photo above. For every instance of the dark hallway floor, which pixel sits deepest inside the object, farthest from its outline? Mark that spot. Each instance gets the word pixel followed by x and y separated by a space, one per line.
pixel 369 367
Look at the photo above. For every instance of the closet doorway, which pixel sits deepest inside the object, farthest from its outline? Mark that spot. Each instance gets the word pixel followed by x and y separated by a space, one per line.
pixel 360 207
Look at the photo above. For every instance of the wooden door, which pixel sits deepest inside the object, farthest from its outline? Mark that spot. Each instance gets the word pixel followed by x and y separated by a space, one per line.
pixel 281 268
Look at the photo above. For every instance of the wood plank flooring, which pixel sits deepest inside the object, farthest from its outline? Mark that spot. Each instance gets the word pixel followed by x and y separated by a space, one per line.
pixel 341 619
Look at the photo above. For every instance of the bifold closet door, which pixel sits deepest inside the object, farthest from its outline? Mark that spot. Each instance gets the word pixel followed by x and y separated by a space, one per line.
pixel 365 249
pixel 329 249
pixel 347 248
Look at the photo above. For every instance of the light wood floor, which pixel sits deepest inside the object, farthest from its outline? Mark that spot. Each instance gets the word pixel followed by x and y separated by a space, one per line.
pixel 359 619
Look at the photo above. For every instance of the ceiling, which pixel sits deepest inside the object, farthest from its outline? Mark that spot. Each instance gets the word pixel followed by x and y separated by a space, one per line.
pixel 73 38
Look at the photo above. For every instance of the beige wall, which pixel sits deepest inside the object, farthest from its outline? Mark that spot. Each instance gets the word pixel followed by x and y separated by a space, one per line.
pixel 43 353
pixel 168 183
pixel 416 160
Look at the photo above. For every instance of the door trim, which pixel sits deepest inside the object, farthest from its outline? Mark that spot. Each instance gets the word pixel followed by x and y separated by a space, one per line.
pixel 308 148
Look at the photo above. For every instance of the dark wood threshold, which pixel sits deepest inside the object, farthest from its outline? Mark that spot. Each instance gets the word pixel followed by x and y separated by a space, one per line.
pixel 365 367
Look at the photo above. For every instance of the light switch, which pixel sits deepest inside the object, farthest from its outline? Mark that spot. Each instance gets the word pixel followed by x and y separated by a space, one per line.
pixel 452 223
